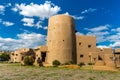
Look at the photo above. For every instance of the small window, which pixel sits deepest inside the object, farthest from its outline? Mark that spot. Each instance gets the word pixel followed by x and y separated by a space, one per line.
pixel 99 58
pixel 16 54
pixel 81 56
pixel 63 40
pixel 13 54
pixel 79 43
pixel 89 46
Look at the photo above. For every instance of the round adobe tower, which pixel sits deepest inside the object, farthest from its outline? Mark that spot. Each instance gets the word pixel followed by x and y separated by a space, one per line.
pixel 61 39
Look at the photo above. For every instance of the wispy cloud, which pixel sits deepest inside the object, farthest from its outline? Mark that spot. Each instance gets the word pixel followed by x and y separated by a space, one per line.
pixel 7 23
pixel 99 28
pixel 88 10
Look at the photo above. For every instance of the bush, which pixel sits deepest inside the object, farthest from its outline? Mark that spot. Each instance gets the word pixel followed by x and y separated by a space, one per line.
pixel 90 63
pixel 68 63
pixel 28 60
pixel 4 57
pixel 81 64
pixel 56 63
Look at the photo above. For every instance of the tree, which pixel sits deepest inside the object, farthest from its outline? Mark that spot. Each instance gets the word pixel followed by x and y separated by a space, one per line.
pixel 4 57
pixel 28 60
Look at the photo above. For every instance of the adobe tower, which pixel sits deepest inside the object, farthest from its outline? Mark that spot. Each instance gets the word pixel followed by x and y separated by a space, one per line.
pixel 61 39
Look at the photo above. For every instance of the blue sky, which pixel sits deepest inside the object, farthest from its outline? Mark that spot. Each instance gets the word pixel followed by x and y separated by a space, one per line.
pixel 23 23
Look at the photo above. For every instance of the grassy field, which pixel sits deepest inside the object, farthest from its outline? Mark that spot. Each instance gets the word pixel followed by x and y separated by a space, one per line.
pixel 16 72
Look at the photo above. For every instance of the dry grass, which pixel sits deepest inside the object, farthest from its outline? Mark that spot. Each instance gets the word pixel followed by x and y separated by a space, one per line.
pixel 70 66
pixel 17 72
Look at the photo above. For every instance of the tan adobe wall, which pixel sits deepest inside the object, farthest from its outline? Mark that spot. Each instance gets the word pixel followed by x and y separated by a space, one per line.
pixel 86 45
pixel 42 48
pixel 38 52
pixel 61 39
pixel 117 56
pixel 12 57
pixel 117 50
pixel 17 56
pixel 107 59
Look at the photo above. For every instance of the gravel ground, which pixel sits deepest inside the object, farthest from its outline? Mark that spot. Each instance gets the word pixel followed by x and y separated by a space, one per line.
pixel 17 72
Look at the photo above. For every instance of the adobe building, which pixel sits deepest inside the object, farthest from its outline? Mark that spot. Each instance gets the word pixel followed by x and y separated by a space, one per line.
pixel 105 60
pixel 40 58
pixel 19 54
pixel 65 46
pixel 86 49
pixel 117 57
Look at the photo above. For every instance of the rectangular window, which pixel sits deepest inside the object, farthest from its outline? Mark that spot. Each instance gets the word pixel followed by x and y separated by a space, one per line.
pixel 89 46
pixel 81 56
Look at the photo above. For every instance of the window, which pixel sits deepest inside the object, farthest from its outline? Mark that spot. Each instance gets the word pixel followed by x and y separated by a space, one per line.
pixel 89 46
pixel 81 56
pixel 63 40
pixel 16 54
pixel 79 43
pixel 99 58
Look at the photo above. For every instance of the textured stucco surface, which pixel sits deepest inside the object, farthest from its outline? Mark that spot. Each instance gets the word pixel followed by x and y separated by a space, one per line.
pixel 60 41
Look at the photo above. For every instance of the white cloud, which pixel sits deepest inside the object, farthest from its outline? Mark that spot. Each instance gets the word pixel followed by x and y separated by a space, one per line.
pixel 100 32
pixel 28 22
pixel 78 17
pixel 116 30
pixel 66 13
pixel 38 25
pixel 99 28
pixel 7 23
pixel 45 27
pixel 2 9
pixel 103 46
pixel 14 9
pixel 78 33
pixel 88 10
pixel 75 17
pixel 29 40
pixel 115 45
pixel 38 10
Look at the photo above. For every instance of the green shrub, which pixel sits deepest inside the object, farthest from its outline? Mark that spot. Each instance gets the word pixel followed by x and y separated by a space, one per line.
pixel 56 63
pixel 81 64
pixel 68 63
pixel 90 63
pixel 28 60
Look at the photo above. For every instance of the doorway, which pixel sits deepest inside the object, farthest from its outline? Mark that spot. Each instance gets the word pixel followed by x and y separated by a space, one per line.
pixel 43 55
